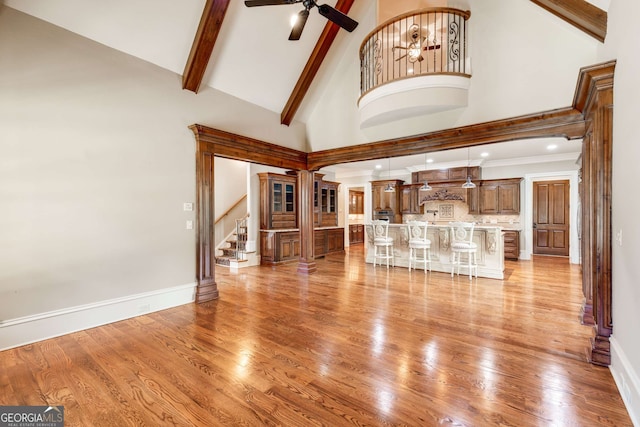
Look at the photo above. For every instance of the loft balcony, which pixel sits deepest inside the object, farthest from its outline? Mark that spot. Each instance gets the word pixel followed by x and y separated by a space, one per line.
pixel 416 63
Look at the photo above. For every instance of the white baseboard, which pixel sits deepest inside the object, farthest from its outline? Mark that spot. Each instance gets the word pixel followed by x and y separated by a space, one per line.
pixel 627 380
pixel 38 327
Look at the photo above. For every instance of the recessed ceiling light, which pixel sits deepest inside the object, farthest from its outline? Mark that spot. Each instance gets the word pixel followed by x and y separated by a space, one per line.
pixel 552 147
pixel 485 154
pixel 378 166
pixel 429 160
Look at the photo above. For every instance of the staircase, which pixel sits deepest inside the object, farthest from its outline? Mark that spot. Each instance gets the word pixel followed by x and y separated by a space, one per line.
pixel 236 251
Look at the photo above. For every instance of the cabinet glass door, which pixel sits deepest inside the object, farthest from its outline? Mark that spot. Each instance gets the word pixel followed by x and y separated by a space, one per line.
pixel 277 197
pixel 332 201
pixel 289 198
pixel 325 200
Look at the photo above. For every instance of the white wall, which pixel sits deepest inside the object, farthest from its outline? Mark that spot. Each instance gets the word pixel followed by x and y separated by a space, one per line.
pixel 621 44
pixel 524 60
pixel 230 177
pixel 97 161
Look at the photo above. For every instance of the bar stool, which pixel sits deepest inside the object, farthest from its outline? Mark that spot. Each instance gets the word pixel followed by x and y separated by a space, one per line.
pixel 418 240
pixel 462 243
pixel 381 240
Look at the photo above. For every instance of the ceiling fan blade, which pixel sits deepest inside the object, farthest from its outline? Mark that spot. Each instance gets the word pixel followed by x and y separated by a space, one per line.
pixel 403 56
pixel 253 3
pixel 337 17
pixel 296 31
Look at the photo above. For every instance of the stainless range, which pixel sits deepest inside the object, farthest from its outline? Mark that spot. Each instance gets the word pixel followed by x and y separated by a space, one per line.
pixel 386 215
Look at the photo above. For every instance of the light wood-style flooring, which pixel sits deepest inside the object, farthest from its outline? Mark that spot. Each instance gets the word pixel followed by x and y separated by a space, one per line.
pixel 349 345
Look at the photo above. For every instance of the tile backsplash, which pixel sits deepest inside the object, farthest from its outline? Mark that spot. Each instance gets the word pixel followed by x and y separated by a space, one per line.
pixel 445 211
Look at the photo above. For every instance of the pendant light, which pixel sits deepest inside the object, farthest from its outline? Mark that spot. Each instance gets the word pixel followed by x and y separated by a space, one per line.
pixel 389 188
pixel 425 186
pixel 468 184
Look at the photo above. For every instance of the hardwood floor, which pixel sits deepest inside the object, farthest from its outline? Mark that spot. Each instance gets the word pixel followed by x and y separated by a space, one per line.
pixel 349 345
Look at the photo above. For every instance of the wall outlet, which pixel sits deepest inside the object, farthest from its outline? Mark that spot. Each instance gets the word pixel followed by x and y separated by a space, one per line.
pixel 619 237
pixel 187 207
pixel 189 224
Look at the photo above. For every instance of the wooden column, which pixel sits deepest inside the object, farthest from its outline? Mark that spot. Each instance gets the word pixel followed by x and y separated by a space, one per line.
pixel 586 314
pixel 207 288
pixel 594 97
pixel 306 264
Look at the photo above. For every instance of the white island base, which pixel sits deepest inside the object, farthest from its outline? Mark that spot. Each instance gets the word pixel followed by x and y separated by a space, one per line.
pixel 489 239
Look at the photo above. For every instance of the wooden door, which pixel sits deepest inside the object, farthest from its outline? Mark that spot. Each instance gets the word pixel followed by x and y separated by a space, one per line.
pixel 551 218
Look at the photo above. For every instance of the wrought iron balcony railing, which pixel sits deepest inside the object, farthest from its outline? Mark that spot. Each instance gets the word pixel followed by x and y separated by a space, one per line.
pixel 423 42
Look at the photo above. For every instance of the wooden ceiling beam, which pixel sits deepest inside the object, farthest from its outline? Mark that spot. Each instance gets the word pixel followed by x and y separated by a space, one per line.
pixel 202 47
pixel 579 13
pixel 238 147
pixel 565 122
pixel 313 65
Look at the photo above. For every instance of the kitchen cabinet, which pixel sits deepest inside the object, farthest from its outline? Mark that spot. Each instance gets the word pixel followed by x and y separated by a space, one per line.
pixel 511 244
pixel 383 201
pixel 279 237
pixel 411 199
pixel 356 234
pixel 356 202
pixel 325 208
pixel 452 174
pixel 499 196
pixel 277 247
pixel 278 201
pixel 472 199
pixel 328 240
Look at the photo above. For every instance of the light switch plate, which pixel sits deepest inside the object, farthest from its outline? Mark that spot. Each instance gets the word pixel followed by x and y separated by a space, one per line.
pixel 187 207
pixel 189 224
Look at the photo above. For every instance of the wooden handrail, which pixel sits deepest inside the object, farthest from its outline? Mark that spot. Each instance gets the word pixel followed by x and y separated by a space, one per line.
pixel 230 209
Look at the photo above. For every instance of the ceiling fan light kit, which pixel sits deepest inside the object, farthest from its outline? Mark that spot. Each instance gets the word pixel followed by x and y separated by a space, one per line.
pixel 331 13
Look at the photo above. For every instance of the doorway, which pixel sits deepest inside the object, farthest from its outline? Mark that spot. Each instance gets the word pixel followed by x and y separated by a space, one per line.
pixel 551 218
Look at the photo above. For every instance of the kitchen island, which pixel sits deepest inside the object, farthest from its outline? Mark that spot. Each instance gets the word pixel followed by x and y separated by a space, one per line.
pixel 489 239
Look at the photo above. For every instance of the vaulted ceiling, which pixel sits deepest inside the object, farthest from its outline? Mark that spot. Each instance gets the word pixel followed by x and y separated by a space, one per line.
pixel 238 50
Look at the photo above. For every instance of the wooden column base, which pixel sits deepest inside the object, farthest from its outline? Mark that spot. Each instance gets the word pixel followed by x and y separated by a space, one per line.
pixel 586 313
pixel 206 292
pixel 307 267
pixel 600 353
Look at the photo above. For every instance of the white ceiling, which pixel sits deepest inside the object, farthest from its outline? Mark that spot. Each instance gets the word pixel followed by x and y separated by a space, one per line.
pixel 252 60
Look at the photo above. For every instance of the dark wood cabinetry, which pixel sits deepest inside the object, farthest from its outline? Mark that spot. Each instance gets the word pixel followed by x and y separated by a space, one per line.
pixel 411 199
pixel 356 202
pixel 325 197
pixel 356 234
pixel 279 246
pixel 452 174
pixel 279 237
pixel 387 201
pixel 500 196
pixel 495 197
pixel 511 244
pixel 328 240
pixel 278 201
pixel 279 234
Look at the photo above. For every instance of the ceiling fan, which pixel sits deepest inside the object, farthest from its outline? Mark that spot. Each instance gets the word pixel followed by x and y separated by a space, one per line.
pixel 331 13
pixel 413 52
